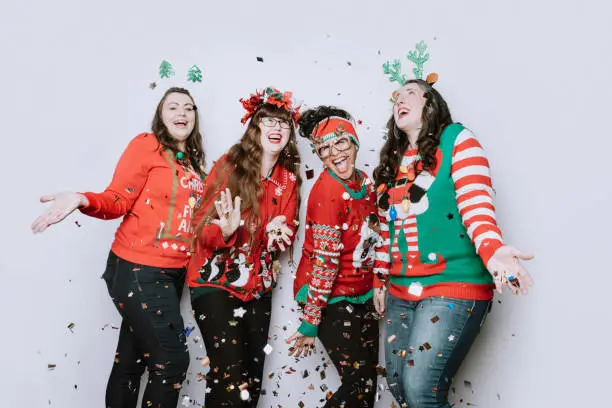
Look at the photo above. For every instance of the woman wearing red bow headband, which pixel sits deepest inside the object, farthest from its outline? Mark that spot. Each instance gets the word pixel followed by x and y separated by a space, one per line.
pixel 334 279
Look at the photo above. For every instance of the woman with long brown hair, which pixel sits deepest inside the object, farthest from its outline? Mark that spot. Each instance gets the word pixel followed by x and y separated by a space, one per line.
pixel 156 185
pixel 238 243
pixel 443 253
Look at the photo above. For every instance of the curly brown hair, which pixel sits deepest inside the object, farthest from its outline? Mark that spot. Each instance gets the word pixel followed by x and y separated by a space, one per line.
pixel 193 144
pixel 243 164
pixel 436 115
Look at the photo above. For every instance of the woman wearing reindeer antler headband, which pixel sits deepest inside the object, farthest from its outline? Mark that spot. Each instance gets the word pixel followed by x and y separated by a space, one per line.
pixel 443 252
pixel 334 279
pixel 237 246
pixel 156 185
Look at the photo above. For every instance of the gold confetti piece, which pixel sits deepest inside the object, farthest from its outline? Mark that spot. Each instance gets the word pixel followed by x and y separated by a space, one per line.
pixel 435 319
pixel 51 367
pixel 205 361
pixel 71 326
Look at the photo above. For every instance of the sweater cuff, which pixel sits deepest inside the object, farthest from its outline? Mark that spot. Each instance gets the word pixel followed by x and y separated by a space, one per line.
pixel 309 330
pixel 488 249
pixel 93 206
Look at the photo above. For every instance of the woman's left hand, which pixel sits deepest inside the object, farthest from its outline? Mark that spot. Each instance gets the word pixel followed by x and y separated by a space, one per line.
pixel 278 232
pixel 301 344
pixel 505 267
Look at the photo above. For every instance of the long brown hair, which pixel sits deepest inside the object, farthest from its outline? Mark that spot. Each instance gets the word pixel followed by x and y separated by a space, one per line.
pixel 436 115
pixel 193 144
pixel 243 164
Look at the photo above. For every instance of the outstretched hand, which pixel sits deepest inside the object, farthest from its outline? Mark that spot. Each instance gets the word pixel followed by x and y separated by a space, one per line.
pixel 278 232
pixel 62 205
pixel 506 269
pixel 301 344
pixel 229 214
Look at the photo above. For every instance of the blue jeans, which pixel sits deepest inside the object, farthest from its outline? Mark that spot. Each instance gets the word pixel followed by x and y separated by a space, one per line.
pixel 432 337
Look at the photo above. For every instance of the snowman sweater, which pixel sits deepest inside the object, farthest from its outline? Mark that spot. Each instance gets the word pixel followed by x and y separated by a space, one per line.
pixel 156 196
pixel 338 252
pixel 445 230
pixel 241 266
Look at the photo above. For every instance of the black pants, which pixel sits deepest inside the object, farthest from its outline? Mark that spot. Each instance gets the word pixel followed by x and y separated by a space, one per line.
pixel 349 333
pixel 151 336
pixel 234 346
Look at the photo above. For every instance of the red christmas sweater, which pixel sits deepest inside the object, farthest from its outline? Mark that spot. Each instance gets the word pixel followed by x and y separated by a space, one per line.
pixel 246 271
pixel 338 253
pixel 156 195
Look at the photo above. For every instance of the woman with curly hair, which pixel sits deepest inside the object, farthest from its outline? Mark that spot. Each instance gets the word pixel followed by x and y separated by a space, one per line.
pixel 156 185
pixel 237 245
pixel 334 279
pixel 443 253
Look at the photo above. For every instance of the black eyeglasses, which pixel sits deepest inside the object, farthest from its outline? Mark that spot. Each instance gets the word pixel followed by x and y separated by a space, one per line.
pixel 341 144
pixel 271 122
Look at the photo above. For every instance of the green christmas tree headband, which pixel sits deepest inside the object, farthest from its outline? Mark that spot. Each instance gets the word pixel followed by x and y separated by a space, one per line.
pixel 419 57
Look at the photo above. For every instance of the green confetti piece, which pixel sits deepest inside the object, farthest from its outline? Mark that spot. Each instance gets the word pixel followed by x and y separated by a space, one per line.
pixel 165 69
pixel 194 74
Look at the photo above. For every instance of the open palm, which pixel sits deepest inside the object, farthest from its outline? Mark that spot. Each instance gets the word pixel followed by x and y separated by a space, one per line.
pixel 506 269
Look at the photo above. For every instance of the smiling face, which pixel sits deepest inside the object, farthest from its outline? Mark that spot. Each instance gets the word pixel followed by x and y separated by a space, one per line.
pixel 179 115
pixel 275 134
pixel 338 155
pixel 408 107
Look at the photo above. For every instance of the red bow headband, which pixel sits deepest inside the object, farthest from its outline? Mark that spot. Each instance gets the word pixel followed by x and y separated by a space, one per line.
pixel 334 126
pixel 273 96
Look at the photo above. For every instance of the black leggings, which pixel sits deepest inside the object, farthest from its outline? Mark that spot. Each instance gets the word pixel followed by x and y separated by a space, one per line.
pixel 349 333
pixel 152 334
pixel 234 346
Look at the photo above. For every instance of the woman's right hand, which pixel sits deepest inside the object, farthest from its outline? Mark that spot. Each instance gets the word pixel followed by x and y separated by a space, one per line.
pixel 229 214
pixel 379 300
pixel 63 205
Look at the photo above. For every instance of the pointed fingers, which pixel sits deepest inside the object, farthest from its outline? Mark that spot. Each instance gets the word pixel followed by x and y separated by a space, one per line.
pixel 237 203
pixel 47 198
pixel 219 208
pixel 520 255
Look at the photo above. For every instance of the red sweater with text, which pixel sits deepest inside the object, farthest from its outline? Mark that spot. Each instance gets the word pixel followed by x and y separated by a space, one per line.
pixel 156 196
pixel 338 252
pixel 241 266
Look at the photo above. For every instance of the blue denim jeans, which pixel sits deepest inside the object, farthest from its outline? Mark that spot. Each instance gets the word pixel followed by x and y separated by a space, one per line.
pixel 426 342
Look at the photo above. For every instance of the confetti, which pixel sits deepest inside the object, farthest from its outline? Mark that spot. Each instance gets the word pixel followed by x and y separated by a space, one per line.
pixel 152 85
pixel 51 367
pixel 267 349
pixel 188 330
pixel 239 312
pixel 77 224
pixel 391 338
pixel 71 326
pixel 260 59
pixel 205 361
pixel 309 174
pixel 435 319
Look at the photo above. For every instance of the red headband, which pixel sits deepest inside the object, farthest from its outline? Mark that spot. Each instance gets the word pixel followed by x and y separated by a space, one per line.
pixel 331 127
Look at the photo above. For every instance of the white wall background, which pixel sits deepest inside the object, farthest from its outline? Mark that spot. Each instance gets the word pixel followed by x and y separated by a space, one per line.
pixel 532 80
